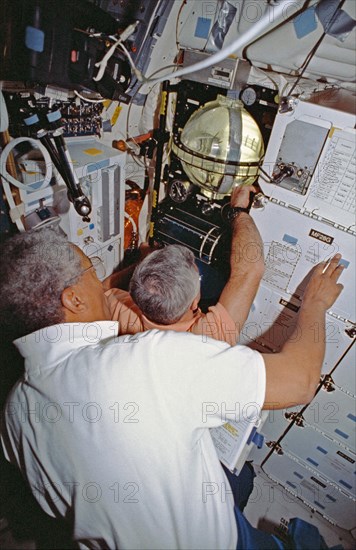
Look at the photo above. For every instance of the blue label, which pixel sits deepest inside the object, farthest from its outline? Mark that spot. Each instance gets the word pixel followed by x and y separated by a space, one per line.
pixel 34 39
pixel 202 27
pixel 305 23
pixel 289 239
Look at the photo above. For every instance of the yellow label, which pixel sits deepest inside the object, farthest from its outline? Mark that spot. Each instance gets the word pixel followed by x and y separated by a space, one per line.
pixel 230 429
pixel 150 234
pixel 93 151
pixel 163 103
pixel 115 116
pixel 154 199
pixel 29 172
pixel 332 130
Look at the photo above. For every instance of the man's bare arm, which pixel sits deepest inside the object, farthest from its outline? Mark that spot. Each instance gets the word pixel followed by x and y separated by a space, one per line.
pixel 121 278
pixel 293 374
pixel 246 261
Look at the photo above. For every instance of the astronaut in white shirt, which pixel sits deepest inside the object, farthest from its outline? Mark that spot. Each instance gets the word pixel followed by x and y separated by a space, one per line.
pixel 112 432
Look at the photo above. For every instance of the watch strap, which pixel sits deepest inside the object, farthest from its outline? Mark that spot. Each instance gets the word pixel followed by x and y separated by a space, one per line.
pixel 235 211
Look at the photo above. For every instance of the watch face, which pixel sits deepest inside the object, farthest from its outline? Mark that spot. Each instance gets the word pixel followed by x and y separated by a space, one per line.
pixel 248 96
pixel 179 190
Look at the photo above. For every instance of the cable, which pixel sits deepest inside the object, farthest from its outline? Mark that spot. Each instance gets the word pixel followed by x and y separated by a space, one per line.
pixel 138 89
pixel 16 211
pixel 130 218
pixel 103 63
pixel 136 159
pixel 4 118
pixel 148 32
pixel 87 99
pixel 240 42
pixel 137 72
pixel 7 150
pixel 117 42
pixel 177 22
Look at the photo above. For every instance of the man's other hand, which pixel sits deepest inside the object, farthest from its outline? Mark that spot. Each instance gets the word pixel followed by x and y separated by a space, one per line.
pixel 323 289
pixel 241 196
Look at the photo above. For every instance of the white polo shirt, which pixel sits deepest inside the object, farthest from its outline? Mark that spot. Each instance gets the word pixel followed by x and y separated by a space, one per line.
pixel 112 432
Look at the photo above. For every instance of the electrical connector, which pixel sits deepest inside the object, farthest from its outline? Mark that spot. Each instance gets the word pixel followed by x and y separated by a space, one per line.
pixel 128 31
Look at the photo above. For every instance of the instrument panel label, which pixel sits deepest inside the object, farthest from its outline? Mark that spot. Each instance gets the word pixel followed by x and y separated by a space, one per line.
pixel 321 236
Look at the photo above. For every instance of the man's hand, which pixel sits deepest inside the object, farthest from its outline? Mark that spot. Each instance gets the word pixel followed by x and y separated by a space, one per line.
pixel 294 373
pixel 323 289
pixel 241 196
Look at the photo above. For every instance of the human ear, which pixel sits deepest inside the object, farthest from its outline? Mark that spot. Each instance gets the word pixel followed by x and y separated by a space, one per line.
pixel 72 300
pixel 194 305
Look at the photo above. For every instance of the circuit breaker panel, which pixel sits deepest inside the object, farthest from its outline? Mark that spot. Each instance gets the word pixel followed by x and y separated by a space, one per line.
pixel 307 217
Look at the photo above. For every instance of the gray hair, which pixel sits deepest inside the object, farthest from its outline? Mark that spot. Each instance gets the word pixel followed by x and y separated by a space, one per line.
pixel 165 284
pixel 34 270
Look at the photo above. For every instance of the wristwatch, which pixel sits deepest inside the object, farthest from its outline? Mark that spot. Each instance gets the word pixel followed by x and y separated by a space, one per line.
pixel 234 211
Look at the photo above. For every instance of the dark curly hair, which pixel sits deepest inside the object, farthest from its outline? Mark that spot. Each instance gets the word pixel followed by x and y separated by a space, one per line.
pixel 34 269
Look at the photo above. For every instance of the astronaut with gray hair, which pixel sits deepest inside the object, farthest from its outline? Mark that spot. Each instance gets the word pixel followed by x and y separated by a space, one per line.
pixel 164 291
pixel 166 284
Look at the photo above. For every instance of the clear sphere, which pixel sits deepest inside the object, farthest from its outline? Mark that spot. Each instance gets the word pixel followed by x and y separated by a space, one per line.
pixel 220 147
